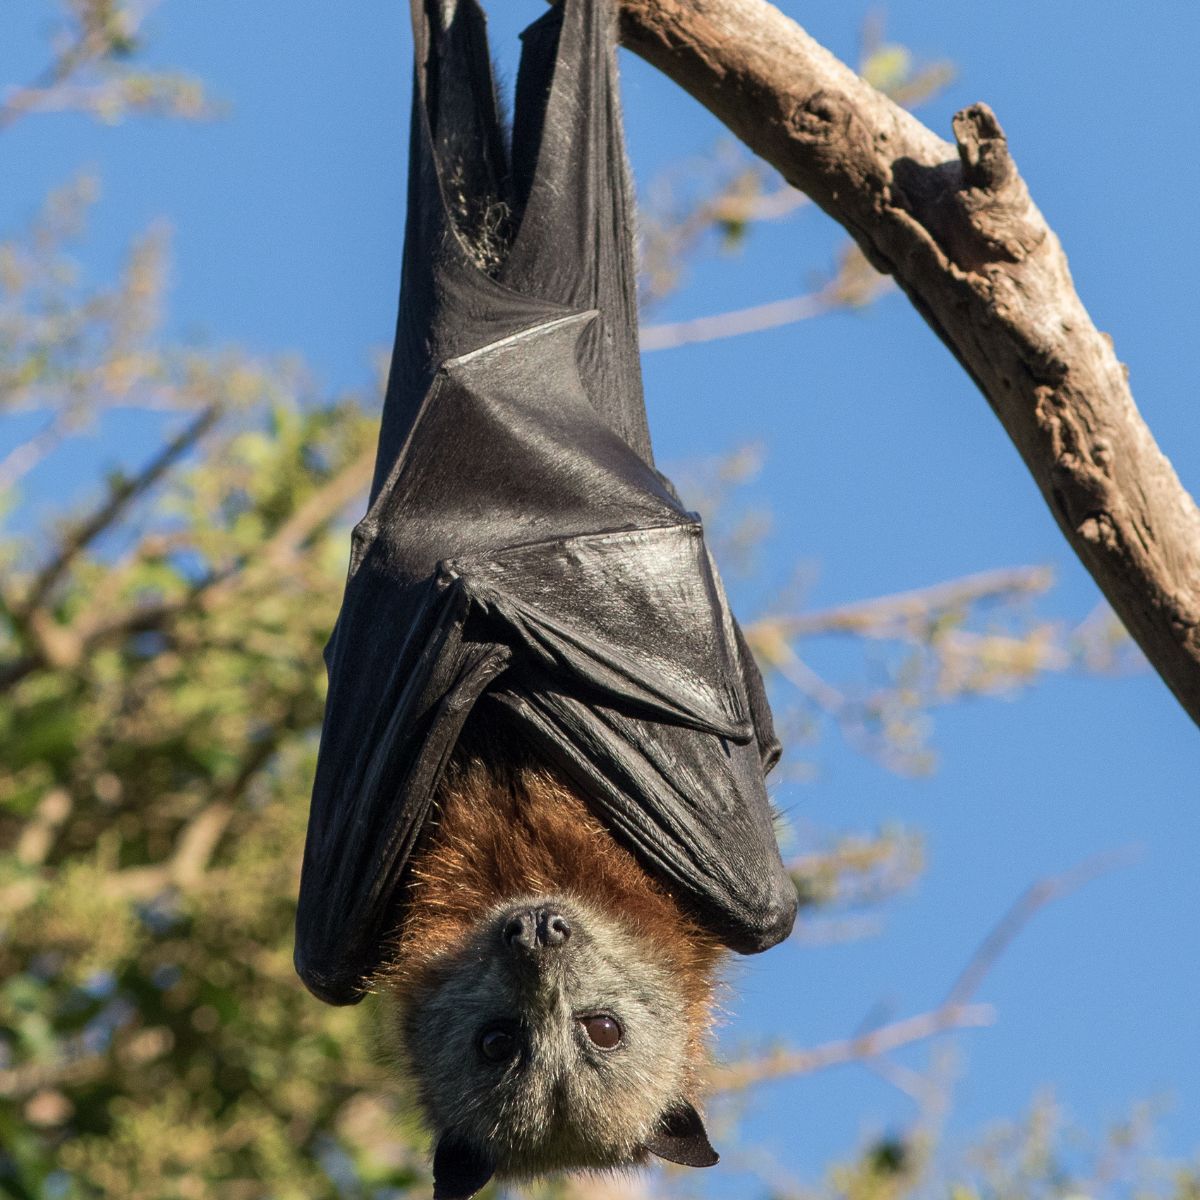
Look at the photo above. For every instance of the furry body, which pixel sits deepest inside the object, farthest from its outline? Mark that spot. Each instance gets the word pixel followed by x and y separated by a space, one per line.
pixel 514 839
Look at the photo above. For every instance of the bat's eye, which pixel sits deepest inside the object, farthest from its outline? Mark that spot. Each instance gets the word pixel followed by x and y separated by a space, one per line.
pixel 498 1043
pixel 602 1031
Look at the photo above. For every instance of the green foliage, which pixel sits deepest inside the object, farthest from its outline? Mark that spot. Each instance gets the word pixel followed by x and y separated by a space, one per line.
pixel 1040 1156
pixel 161 659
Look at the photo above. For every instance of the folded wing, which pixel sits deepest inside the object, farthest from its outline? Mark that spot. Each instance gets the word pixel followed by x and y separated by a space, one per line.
pixel 520 553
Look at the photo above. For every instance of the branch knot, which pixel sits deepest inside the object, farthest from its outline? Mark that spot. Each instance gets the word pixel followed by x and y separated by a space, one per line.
pixel 982 149
pixel 999 215
pixel 814 118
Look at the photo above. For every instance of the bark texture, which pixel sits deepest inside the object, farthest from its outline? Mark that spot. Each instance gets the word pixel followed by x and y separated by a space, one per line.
pixel 956 227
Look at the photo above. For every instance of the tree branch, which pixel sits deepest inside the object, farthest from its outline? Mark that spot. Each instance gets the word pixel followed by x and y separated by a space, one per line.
pixel 67 645
pixel 120 496
pixel 902 612
pixel 957 229
pixel 669 334
pixel 1027 906
pixel 956 1011
pixel 873 1044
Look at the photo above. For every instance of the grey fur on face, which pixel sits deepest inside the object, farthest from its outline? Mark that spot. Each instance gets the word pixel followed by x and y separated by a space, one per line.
pixel 499 1042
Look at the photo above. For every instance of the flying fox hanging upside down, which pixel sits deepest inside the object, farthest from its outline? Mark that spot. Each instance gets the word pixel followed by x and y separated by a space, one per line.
pixel 551 1001
pixel 539 817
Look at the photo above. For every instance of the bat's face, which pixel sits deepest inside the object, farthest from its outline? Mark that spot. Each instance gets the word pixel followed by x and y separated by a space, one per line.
pixel 551 1040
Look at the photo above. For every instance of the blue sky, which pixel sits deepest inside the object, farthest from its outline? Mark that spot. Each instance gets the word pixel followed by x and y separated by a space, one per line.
pixel 884 470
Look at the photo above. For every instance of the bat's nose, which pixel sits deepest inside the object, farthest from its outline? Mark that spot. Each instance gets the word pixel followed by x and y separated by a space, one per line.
pixel 532 930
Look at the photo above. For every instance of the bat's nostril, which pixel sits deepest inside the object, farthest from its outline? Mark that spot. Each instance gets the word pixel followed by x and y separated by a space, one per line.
pixel 553 928
pixel 519 930
pixel 535 929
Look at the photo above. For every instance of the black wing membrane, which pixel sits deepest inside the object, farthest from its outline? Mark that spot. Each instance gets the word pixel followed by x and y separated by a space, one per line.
pixel 521 558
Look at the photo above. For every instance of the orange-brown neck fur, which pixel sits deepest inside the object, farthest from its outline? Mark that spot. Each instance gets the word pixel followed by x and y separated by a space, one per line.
pixel 508 831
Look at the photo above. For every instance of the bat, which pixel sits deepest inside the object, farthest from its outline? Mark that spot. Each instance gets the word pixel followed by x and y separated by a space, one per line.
pixel 549 999
pixel 540 788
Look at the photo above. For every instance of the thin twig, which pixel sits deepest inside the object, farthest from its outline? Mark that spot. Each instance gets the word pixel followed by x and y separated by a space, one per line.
pixel 1027 906
pixel 668 335
pixel 955 1012
pixel 22 458
pixel 321 507
pixel 92 44
pixel 881 1040
pixel 916 1085
pixel 119 498
pixel 23 100
pixel 69 644
pixel 275 553
pixel 880 617
pixel 667 241
pixel 195 845
pixel 38 837
pixel 806 681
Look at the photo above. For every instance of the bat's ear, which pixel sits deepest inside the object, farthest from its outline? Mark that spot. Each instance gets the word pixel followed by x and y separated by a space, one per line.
pixel 681 1138
pixel 459 1170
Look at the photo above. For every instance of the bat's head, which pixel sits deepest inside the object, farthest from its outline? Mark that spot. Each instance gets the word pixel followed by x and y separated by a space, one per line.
pixel 553 1001
pixel 552 1038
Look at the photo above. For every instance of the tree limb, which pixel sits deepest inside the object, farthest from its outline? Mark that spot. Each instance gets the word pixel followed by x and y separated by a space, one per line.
pixel 956 1011
pixel 67 645
pixel 865 1046
pixel 903 612
pixel 120 496
pixel 956 228
pixel 1036 897
pixel 669 334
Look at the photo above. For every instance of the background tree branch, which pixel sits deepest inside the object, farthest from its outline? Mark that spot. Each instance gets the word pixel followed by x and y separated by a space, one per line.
pixel 956 227
pixel 957 1011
